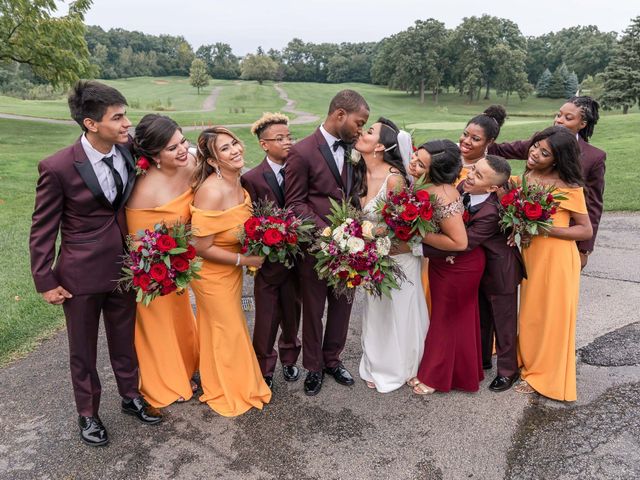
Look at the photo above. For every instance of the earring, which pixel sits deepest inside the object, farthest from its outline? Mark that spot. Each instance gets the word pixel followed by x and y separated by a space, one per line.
pixel 375 154
pixel 158 165
pixel 486 151
pixel 218 173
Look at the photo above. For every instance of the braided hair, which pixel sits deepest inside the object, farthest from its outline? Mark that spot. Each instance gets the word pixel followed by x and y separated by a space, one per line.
pixel 589 109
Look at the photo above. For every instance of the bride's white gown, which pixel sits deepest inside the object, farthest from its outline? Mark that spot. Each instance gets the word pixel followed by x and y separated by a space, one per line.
pixel 394 329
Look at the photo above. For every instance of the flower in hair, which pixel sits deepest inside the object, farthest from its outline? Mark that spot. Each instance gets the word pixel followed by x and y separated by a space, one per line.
pixel 142 165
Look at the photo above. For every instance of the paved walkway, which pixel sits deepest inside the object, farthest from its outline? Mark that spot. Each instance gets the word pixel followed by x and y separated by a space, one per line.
pixel 354 433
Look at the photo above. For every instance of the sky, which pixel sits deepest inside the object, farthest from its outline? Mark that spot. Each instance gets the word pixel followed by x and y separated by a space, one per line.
pixel 247 24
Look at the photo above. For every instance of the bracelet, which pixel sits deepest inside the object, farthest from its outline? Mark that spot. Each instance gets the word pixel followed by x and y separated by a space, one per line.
pixel 238 260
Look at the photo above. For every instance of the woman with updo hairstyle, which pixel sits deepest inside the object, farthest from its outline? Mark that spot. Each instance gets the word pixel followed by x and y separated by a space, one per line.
pixel 231 379
pixel 579 115
pixel 549 295
pixel 479 134
pixel 393 328
pixel 166 340
pixel 452 356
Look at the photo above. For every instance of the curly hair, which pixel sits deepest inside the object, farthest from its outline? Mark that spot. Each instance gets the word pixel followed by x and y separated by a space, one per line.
pixel 268 119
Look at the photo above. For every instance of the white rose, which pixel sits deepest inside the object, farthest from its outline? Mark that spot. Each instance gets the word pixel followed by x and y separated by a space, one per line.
pixel 367 229
pixel 355 245
pixel 383 246
pixel 323 245
pixel 338 233
pixel 348 221
pixel 326 232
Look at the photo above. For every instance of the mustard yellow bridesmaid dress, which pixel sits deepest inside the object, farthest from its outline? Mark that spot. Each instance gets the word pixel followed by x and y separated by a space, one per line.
pixel 165 335
pixel 231 378
pixel 548 307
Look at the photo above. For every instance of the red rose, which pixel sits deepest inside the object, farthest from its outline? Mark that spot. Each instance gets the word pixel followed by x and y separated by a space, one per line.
pixel 343 274
pixel 533 211
pixel 357 280
pixel 166 282
pixel 244 249
pixel 423 196
pixel 426 212
pixel 550 198
pixel 166 290
pixel 403 232
pixel 166 243
pixel 410 212
pixel 250 227
pixel 142 163
pixel 292 239
pixel 465 216
pixel 158 271
pixel 508 198
pixel 190 254
pixel 276 220
pixel 272 236
pixel 179 263
pixel 143 281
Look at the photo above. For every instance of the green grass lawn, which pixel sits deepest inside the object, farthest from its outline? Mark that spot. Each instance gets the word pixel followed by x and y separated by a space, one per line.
pixel 25 318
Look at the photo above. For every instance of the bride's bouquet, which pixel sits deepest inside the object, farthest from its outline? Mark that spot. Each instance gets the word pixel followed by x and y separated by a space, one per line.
pixel 353 252
pixel 527 209
pixel 408 212
pixel 160 261
pixel 275 233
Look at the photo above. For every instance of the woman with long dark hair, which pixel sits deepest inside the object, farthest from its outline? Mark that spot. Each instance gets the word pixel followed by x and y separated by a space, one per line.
pixel 549 294
pixel 393 329
pixel 166 339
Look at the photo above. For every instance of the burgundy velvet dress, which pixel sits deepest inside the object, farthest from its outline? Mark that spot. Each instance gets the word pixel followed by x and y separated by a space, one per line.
pixel 452 357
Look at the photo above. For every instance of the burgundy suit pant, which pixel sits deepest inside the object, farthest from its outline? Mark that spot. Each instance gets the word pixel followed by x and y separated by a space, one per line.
pixel 499 317
pixel 82 314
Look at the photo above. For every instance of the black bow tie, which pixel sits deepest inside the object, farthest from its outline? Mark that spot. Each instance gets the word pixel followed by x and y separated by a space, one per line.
pixel 339 143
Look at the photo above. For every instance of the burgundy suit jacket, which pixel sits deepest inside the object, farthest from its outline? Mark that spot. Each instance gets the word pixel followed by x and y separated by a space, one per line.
pixel 592 160
pixel 504 268
pixel 312 177
pixel 69 199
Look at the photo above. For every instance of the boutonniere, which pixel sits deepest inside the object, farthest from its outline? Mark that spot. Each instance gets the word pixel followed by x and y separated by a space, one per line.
pixel 142 165
pixel 354 157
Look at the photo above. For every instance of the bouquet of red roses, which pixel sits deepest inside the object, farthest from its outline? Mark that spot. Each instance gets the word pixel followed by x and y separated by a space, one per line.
pixel 275 233
pixel 408 212
pixel 160 261
pixel 527 210
pixel 352 252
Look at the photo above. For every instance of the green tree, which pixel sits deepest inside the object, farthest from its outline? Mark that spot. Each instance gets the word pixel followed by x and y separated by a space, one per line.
pixel 198 76
pixel 510 75
pixel 258 67
pixel 53 46
pixel 220 60
pixel 557 84
pixel 571 85
pixel 542 87
pixel 622 76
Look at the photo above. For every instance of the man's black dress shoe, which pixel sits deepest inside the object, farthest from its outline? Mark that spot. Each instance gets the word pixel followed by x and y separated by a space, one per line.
pixel 268 379
pixel 92 432
pixel 291 373
pixel 313 383
pixel 142 410
pixel 500 384
pixel 341 374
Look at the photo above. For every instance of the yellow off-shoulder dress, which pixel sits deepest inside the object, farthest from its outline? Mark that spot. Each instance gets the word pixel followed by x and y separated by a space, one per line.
pixel 231 378
pixel 166 340
pixel 549 305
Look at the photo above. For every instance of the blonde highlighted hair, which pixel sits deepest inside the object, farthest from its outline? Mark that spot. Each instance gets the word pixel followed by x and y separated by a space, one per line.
pixel 207 151
pixel 267 120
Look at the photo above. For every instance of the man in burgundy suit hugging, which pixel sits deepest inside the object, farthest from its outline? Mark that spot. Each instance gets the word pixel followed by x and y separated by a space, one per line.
pixel 504 269
pixel 81 192
pixel 318 168
pixel 276 288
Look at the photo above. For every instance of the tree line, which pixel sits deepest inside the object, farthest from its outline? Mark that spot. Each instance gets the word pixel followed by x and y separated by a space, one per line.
pixel 480 55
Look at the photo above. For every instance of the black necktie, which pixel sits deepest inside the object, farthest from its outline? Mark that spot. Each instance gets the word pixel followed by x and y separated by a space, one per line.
pixel 339 143
pixel 466 200
pixel 281 172
pixel 116 178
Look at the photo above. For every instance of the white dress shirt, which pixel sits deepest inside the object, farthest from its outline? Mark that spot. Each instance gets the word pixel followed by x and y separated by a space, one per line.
pixel 105 178
pixel 277 168
pixel 338 154
pixel 476 199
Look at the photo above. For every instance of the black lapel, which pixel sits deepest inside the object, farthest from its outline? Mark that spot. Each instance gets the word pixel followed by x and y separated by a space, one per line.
pixel 131 172
pixel 331 162
pixel 271 180
pixel 89 176
pixel 349 167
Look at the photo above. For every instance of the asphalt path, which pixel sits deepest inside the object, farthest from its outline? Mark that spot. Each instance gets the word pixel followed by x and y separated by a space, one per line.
pixel 353 432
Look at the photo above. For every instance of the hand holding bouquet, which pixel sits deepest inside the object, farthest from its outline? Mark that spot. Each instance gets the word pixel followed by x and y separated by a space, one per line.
pixel 527 210
pixel 160 261
pixel 408 212
pixel 352 252
pixel 275 233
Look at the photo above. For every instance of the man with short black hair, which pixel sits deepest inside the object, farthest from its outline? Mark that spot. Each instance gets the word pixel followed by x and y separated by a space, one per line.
pixel 81 192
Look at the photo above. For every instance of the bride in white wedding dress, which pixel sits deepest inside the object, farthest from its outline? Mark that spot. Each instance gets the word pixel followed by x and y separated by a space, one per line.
pixel 393 329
